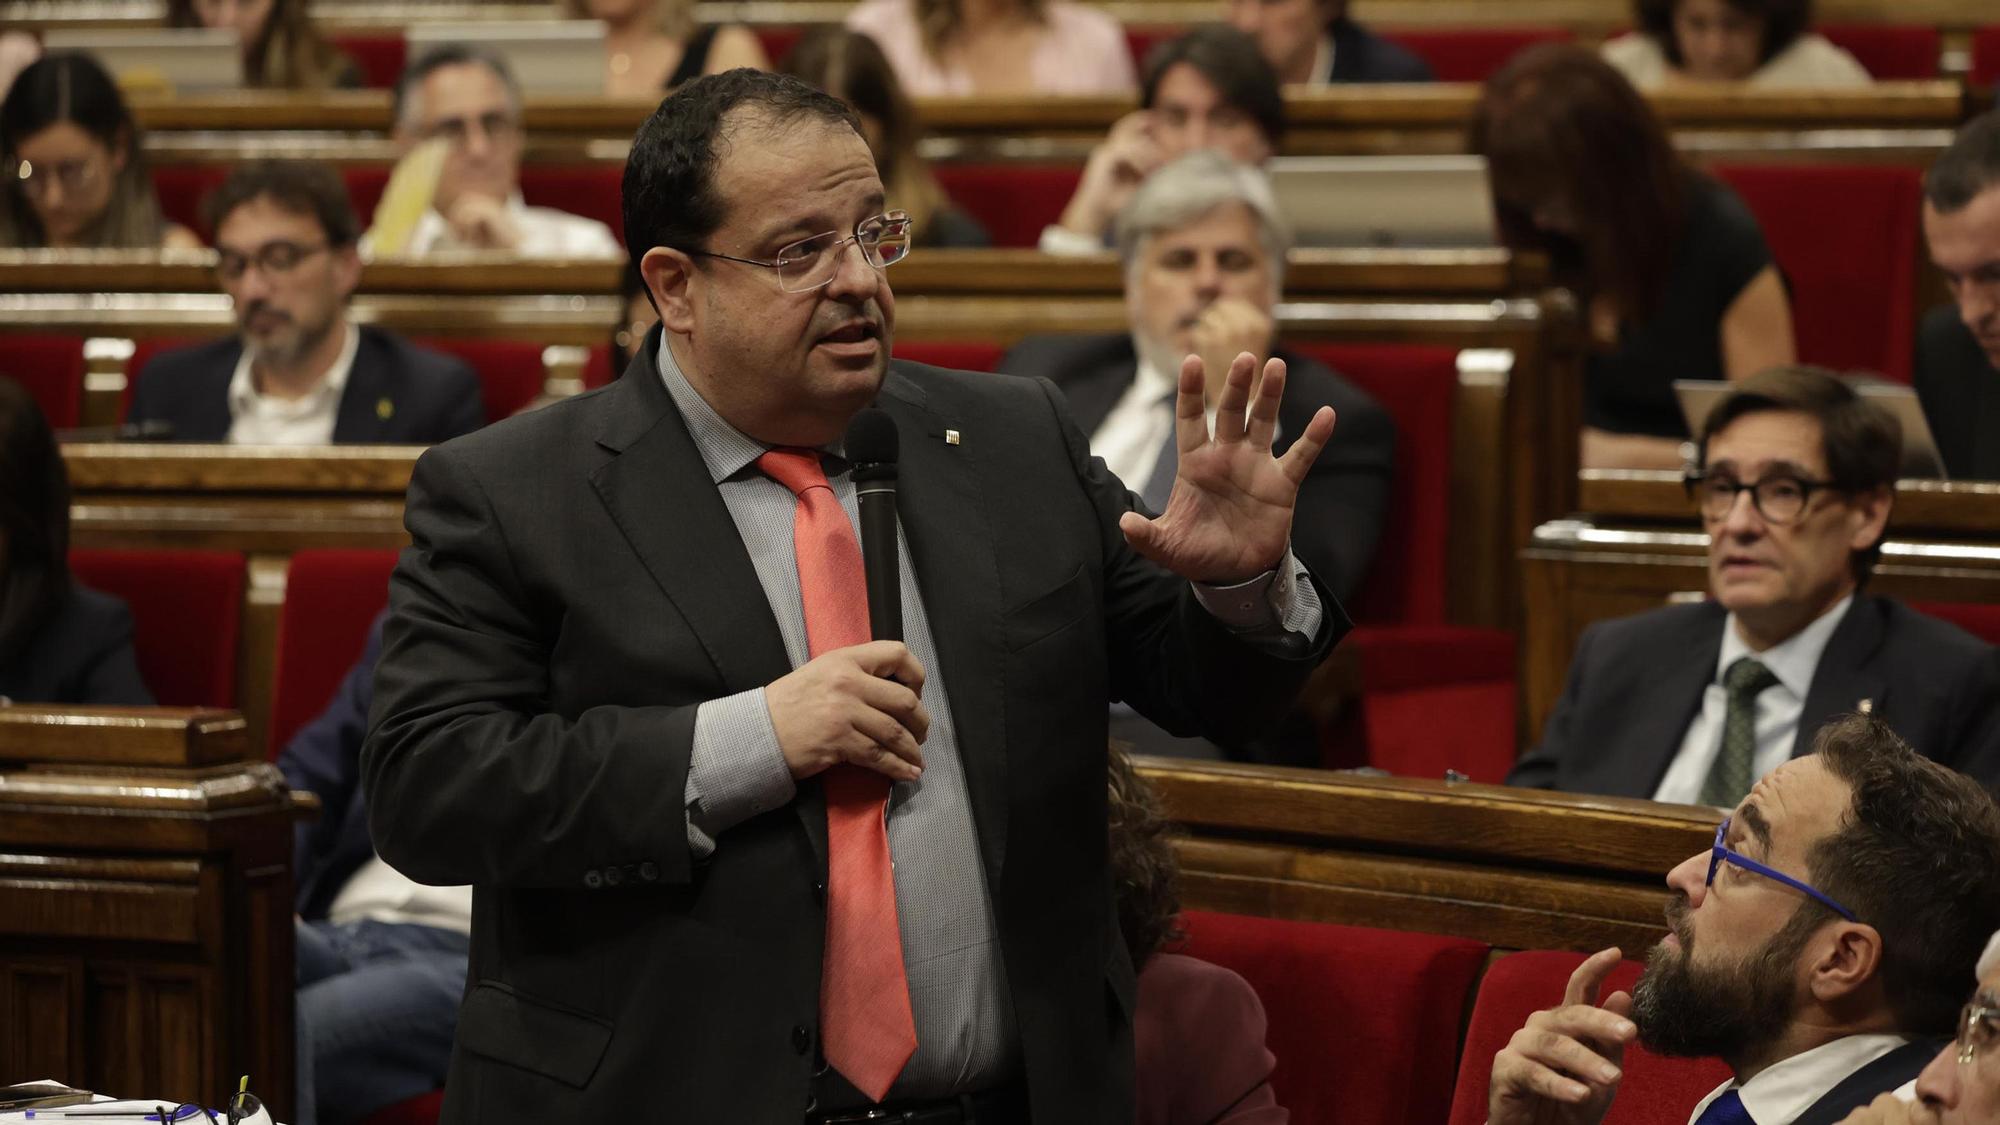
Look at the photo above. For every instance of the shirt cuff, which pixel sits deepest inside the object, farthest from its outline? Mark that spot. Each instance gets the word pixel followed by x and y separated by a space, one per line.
pixel 1068 243
pixel 736 769
pixel 1282 598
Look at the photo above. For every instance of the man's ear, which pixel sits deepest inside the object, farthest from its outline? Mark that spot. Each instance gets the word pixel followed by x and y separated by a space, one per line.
pixel 669 276
pixel 1871 516
pixel 346 269
pixel 1847 964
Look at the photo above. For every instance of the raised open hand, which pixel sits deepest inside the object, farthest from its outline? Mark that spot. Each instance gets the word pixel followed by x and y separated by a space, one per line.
pixel 1229 517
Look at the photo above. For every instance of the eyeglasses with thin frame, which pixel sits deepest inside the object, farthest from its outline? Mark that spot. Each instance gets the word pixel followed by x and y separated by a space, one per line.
pixel 1722 854
pixel 497 126
pixel 273 258
pixel 1976 1029
pixel 73 176
pixel 810 263
pixel 1780 499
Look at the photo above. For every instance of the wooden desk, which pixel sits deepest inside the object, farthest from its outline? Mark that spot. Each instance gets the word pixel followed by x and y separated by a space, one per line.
pixel 1638 546
pixel 145 904
pixel 1521 869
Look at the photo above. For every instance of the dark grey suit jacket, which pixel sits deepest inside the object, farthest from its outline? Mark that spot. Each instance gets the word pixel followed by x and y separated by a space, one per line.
pixel 1360 55
pixel 1636 683
pixel 82 655
pixel 1344 500
pixel 576 588
pixel 397 393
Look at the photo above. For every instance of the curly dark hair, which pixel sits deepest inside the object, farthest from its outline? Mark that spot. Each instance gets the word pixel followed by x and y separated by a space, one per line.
pixel 1144 872
pixel 1784 22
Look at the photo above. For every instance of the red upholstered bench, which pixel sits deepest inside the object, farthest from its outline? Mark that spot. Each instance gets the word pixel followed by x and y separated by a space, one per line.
pixel 331 597
pixel 379 57
pixel 1655 1090
pixel 187 611
pixel 1979 619
pixel 511 372
pixel 1986 56
pixel 1846 238
pixel 959 355
pixel 1361 1021
pixel 1013 201
pixel 1472 54
pixel 50 369
pixel 1889 52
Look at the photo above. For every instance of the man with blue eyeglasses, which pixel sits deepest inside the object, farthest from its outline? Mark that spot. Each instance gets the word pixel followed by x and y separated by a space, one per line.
pixel 1693 703
pixel 1822 948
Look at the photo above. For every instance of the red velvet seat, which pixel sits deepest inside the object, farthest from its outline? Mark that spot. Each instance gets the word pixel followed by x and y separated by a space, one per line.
pixel 1846 238
pixel 591 190
pixel 511 372
pixel 379 57
pixel 420 1110
pixel 1655 1090
pixel 1980 619
pixel 331 597
pixel 1889 52
pixel 1472 54
pixel 1362 1021
pixel 1986 56
pixel 778 40
pixel 187 610
pixel 50 369
pixel 181 189
pixel 959 355
pixel 1141 38
pixel 1014 201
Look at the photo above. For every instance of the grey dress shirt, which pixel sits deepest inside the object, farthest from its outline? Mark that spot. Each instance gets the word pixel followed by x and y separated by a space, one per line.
pixel 966 1038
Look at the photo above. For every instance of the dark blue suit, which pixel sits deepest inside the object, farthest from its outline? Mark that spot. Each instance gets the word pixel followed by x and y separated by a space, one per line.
pixel 378 1001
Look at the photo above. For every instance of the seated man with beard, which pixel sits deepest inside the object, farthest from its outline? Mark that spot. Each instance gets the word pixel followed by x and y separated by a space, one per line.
pixel 1822 948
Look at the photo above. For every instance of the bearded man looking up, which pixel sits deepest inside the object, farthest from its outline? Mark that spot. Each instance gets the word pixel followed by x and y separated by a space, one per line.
pixel 1822 948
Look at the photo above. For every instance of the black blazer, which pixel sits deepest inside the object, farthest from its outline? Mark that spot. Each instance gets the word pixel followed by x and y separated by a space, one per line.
pixel 324 758
pixel 1636 683
pixel 1960 391
pixel 397 393
pixel 81 656
pixel 1880 1077
pixel 1342 503
pixel 1360 55
pixel 575 589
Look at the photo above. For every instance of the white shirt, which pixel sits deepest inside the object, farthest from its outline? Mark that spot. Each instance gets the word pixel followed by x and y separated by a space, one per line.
pixel 545 233
pixel 1135 430
pixel 259 419
pixel 1786 1089
pixel 377 892
pixel 1322 72
pixel 1793 661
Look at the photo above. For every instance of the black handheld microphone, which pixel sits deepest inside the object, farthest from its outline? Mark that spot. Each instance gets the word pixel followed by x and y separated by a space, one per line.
pixel 871 450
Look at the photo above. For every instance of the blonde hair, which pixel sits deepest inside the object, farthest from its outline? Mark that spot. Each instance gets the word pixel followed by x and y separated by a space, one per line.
pixel 289 54
pixel 939 20
pixel 671 18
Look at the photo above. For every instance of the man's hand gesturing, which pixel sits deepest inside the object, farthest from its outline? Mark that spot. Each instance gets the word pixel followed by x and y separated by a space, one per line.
pixel 1563 1067
pixel 844 706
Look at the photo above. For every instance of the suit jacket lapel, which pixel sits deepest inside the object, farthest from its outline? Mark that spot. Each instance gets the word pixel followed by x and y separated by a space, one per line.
pixel 951 545
pixel 1664 706
pixel 1092 394
pixel 1846 674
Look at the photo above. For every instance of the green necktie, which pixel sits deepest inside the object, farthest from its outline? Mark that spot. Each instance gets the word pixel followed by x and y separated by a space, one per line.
pixel 1730 777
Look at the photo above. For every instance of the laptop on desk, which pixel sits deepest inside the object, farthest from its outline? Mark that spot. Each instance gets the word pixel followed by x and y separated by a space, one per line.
pixel 159 58
pixel 1385 202
pixel 546 56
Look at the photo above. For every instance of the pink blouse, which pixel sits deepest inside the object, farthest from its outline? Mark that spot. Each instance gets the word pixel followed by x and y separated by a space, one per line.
pixel 1082 51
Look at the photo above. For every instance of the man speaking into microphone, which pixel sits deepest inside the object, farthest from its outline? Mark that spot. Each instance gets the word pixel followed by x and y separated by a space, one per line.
pixel 734 860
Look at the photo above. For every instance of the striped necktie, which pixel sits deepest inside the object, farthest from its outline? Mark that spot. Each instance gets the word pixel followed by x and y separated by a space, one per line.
pixel 1733 772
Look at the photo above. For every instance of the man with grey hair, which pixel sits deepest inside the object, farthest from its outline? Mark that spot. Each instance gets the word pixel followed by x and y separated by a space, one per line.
pixel 1204 254
pixel 1961 1086
pixel 466 98
pixel 1958 349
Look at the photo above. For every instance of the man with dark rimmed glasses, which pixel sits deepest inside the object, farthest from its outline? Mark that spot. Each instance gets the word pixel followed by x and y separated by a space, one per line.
pixel 1961 1086
pixel 1821 948
pixel 1693 703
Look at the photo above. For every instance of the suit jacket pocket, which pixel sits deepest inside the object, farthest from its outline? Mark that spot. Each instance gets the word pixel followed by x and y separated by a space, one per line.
pixel 1046 614
pixel 499 1023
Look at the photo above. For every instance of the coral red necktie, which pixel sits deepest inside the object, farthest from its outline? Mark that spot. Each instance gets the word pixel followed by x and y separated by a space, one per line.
pixel 866 1029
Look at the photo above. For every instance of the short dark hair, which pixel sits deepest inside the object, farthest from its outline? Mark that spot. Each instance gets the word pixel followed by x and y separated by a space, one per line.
pixel 303 187
pixel 669 187
pixel 1862 443
pixel 1968 167
pixel 1918 858
pixel 444 55
pixel 1784 22
pixel 34 522
pixel 1231 62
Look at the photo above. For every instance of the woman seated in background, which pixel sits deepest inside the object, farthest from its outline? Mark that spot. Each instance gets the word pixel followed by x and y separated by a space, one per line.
pixel 851 67
pixel 654 45
pixel 282 50
pixel 946 48
pixel 1761 42
pixel 59 642
pixel 1198 1028
pixel 71 161
pixel 1669 267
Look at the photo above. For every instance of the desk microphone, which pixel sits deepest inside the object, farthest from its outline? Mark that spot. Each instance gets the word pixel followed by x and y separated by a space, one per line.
pixel 871 450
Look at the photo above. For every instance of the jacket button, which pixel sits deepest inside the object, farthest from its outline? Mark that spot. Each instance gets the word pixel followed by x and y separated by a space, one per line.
pixel 802 1039
pixel 613 876
pixel 649 871
pixel 593 879
pixel 819 890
